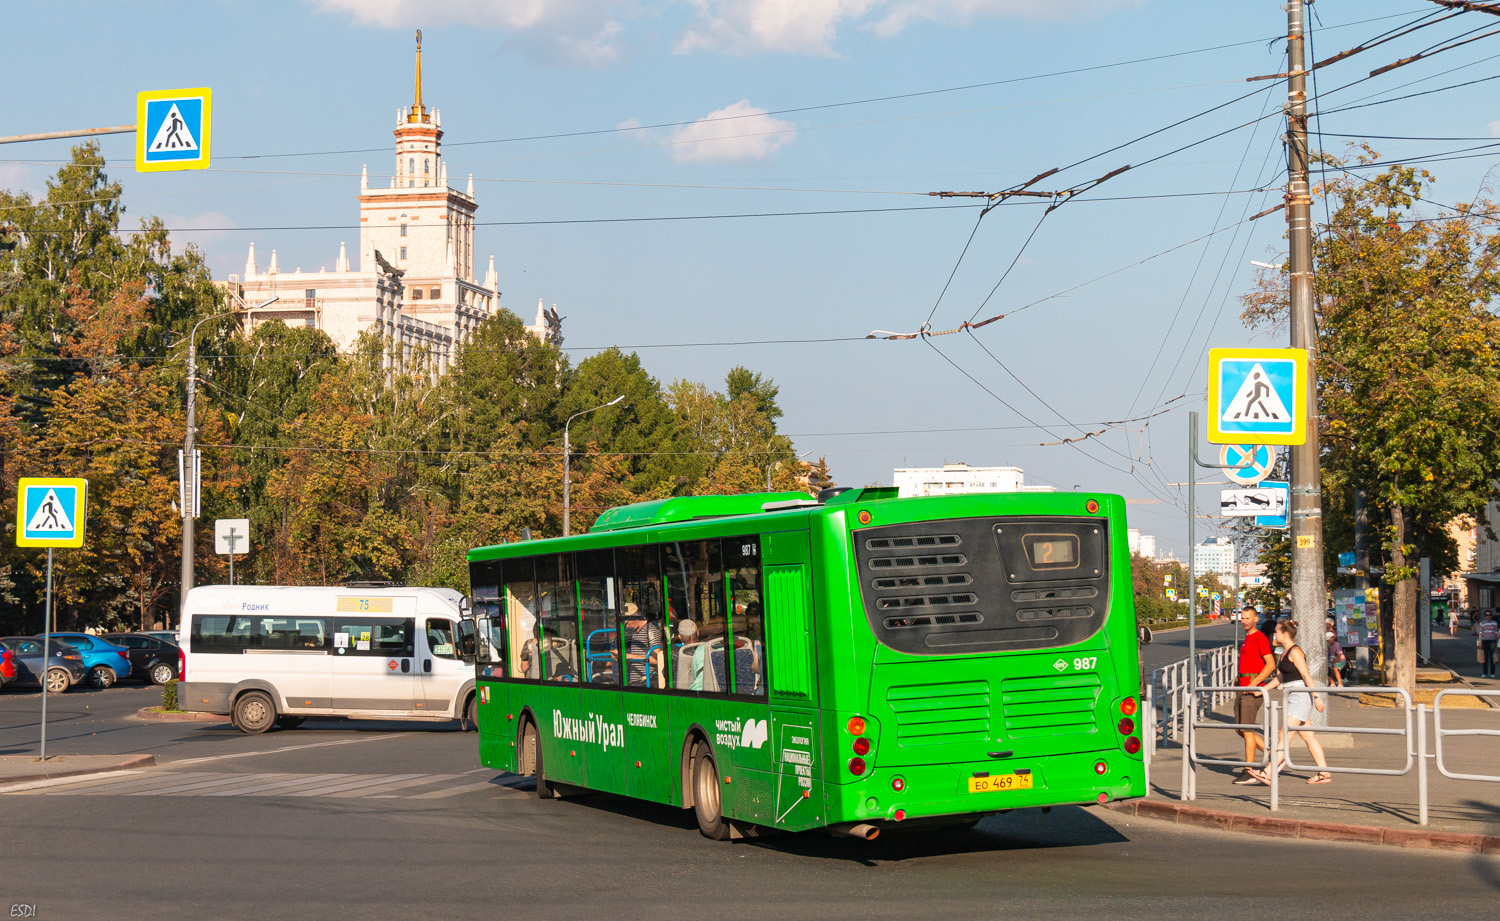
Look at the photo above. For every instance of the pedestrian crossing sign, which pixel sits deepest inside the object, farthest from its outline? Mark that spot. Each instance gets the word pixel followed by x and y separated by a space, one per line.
pixel 50 512
pixel 1257 395
pixel 173 129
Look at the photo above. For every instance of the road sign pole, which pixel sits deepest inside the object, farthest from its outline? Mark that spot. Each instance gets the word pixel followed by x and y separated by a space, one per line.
pixel 1308 589
pixel 46 650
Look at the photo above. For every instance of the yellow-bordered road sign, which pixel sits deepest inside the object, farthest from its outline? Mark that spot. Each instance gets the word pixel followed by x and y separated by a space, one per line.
pixel 1257 395
pixel 50 511
pixel 173 129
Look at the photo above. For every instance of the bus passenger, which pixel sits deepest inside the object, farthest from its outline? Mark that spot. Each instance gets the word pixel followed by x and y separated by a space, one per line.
pixel 643 646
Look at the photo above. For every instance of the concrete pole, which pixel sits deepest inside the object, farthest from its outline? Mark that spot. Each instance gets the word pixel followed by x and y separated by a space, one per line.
pixel 1309 596
pixel 567 507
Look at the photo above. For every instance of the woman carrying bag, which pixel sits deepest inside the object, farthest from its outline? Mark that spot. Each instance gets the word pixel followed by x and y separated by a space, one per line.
pixel 1292 673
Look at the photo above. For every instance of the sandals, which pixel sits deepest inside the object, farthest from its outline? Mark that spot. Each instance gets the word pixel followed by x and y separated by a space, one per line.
pixel 1259 775
pixel 1321 777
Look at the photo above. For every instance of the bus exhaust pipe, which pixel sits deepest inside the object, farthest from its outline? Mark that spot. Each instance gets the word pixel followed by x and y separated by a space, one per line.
pixel 864 831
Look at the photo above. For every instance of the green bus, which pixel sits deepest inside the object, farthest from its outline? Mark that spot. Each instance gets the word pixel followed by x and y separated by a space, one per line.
pixel 849 663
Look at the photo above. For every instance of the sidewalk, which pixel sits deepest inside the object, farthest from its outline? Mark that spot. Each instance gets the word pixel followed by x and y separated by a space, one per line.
pixel 15 769
pixel 1463 815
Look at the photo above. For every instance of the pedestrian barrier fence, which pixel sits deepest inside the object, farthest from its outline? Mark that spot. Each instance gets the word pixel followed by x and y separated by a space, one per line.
pixel 1412 734
pixel 1169 686
pixel 1439 733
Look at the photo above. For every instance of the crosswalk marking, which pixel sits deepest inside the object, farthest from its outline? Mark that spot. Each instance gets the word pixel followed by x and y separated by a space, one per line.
pixel 159 782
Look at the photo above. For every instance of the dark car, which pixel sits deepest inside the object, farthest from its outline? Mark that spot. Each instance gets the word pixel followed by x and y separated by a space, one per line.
pixel 64 666
pixel 152 659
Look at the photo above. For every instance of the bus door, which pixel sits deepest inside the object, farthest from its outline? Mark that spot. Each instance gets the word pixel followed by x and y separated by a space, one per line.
pixel 441 670
pixel 375 662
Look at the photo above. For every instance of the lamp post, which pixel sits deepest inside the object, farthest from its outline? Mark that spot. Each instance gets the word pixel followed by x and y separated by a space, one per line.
pixel 567 463
pixel 188 437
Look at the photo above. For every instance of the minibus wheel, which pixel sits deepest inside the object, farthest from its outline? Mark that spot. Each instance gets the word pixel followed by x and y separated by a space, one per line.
pixel 254 712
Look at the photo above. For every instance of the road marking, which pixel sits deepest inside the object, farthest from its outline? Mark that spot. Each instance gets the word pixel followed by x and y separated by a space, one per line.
pixel 382 790
pixel 297 780
pixel 277 751
pixel 182 789
pixel 467 788
pixel 353 784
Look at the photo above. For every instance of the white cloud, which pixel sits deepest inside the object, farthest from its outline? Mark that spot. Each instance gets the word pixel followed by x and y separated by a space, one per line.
pixel 593 32
pixel 16 178
pixel 755 26
pixel 738 131
pixel 1495 129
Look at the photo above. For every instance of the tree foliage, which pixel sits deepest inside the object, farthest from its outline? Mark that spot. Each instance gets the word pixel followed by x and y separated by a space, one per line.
pixel 372 464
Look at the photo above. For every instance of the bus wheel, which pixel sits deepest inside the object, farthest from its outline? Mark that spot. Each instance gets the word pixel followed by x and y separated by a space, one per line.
pixel 254 712
pixel 529 760
pixel 708 805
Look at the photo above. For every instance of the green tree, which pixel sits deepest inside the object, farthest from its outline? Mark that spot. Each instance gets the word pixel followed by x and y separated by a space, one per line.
pixel 1409 365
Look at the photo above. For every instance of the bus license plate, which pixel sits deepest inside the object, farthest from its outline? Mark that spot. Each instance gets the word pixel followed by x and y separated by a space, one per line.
pixel 996 782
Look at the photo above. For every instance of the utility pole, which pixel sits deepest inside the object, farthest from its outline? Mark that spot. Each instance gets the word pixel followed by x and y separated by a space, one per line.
pixel 568 466
pixel 1308 591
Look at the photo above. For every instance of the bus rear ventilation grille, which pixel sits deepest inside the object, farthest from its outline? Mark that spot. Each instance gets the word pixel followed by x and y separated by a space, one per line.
pixel 925 601
pixel 1055 613
pixel 957 578
pixel 1054 594
pixel 911 562
pixel 932 620
pixel 904 543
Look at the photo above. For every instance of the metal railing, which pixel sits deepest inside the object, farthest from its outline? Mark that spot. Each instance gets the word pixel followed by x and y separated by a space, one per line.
pixel 1412 735
pixel 1169 686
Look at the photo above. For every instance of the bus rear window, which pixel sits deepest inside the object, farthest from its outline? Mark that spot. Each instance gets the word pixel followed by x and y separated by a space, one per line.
pixel 975 585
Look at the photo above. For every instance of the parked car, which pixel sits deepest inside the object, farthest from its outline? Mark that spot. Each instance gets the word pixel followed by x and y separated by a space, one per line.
pixel 64 666
pixel 152 659
pixel 169 635
pixel 105 661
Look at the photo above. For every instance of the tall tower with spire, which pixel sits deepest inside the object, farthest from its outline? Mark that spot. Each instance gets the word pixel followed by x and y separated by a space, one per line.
pixel 414 282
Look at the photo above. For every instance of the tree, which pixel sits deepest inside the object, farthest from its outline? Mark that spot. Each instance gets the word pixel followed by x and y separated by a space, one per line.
pixel 1409 364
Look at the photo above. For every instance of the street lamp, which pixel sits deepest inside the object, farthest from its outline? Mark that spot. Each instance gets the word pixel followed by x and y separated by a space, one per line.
pixel 188 437
pixel 567 465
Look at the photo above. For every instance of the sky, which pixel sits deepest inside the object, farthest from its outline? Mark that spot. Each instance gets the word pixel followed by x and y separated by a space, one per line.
pixel 715 183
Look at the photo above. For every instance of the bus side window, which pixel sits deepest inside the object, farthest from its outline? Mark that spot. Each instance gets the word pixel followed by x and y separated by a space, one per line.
pixel 694 573
pixel 642 641
pixel 598 596
pixel 522 627
pixel 746 615
pixel 489 620
pixel 558 609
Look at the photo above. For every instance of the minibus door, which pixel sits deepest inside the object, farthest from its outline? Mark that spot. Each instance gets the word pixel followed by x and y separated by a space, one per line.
pixel 441 670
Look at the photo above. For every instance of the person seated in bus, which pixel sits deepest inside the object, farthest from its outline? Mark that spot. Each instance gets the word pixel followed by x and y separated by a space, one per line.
pixel 688 654
pixel 643 647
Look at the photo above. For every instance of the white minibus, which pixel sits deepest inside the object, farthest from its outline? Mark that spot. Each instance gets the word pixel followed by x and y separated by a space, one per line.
pixel 274 655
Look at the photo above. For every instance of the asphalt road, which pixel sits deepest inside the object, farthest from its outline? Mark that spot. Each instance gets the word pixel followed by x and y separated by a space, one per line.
pixel 1172 645
pixel 391 820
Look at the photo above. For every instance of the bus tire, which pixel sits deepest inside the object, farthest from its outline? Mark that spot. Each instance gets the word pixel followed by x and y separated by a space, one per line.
pixel 254 712
pixel 708 803
pixel 529 759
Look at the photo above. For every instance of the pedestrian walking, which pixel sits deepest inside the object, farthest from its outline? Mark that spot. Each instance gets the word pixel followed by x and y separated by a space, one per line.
pixel 1489 633
pixel 1453 621
pixel 1336 658
pixel 1255 665
pixel 1292 674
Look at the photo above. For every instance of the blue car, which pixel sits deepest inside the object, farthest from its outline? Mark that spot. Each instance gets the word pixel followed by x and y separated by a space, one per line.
pixel 106 662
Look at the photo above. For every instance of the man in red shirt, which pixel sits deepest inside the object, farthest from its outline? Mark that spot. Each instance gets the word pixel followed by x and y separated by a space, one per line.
pixel 1255 666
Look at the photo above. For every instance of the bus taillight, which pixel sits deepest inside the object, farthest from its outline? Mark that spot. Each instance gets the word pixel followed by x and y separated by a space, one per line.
pixel 1132 746
pixel 1128 706
pixel 856 725
pixel 898 784
pixel 861 746
pixel 1127 726
pixel 856 766
pixel 1100 768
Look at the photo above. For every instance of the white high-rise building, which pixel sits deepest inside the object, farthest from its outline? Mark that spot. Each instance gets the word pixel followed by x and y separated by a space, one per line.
pixel 1214 555
pixel 414 281
pixel 951 479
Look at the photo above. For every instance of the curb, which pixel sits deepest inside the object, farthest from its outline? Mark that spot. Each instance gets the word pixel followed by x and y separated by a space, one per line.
pixel 151 715
pixel 1182 814
pixel 134 761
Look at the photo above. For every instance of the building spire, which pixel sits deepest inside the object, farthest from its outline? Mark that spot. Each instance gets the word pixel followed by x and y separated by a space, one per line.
pixel 416 109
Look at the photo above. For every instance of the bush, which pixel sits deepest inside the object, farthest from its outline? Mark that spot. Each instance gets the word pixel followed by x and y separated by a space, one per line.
pixel 1150 610
pixel 169 695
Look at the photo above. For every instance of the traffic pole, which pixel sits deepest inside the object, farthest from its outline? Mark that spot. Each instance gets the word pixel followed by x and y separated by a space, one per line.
pixel 46 651
pixel 1308 590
